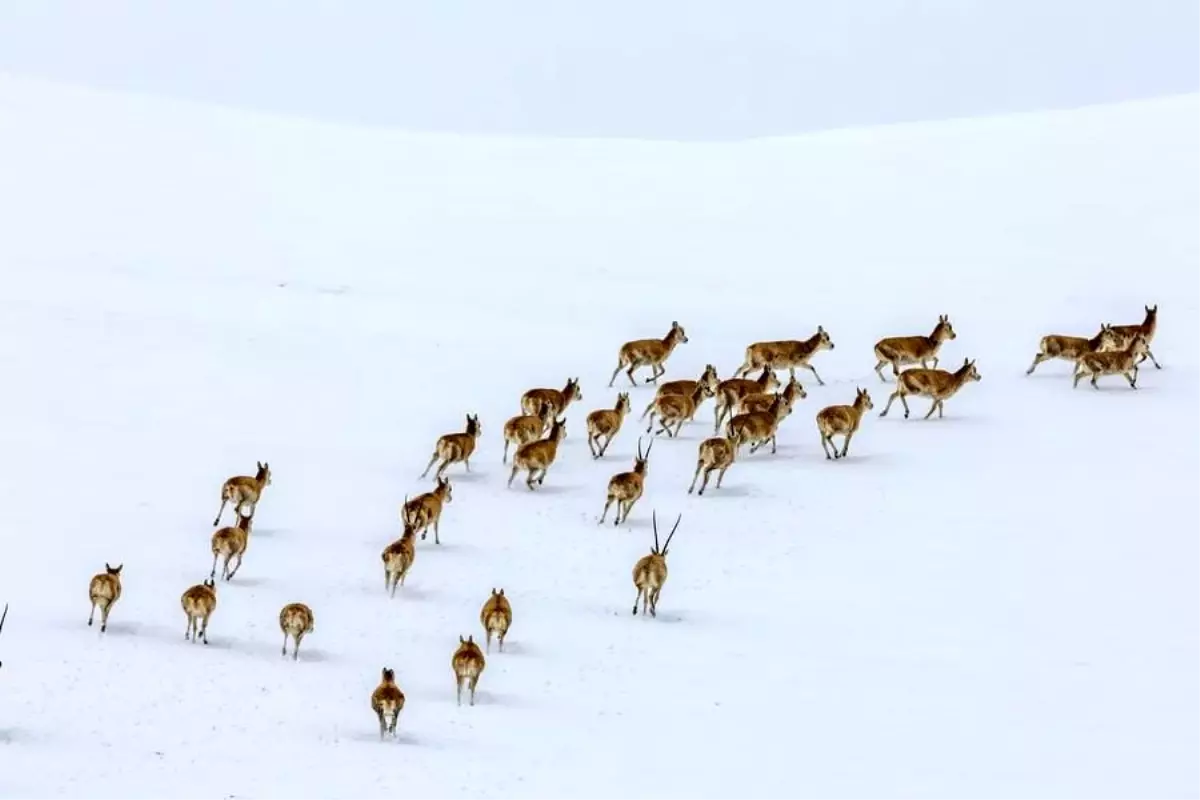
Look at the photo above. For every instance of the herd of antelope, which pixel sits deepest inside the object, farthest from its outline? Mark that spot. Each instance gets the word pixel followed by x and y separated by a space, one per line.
pixel 751 408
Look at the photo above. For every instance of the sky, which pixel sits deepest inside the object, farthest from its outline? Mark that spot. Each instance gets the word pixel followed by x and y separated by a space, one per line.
pixel 673 69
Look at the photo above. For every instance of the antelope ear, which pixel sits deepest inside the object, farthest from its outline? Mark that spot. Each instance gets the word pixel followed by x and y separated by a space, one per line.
pixel 471 639
pixel 258 464
pixel 820 329
pixel 461 640
pixel 119 568
pixel 502 593
pixel 106 566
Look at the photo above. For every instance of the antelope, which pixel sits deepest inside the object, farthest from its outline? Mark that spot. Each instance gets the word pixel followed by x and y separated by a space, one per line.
pixel 731 391
pixel 936 384
pixel 1072 348
pixel 536 457
pixel 242 490
pixel 426 509
pixel 842 420
pixel 1113 362
pixel 650 572
pixel 758 427
pixel 901 350
pixel 651 353
pixel 717 453
pixel 468 663
pixel 606 423
pixel 687 386
pixel 105 591
pixel 625 488
pixel 525 428
pixel 387 701
pixel 787 354
pixel 199 602
pixel 454 447
pixel 496 616
pixel 1125 334
pixel 677 409
pixel 230 543
pixel 558 399
pixel 398 558
pixel 761 401
pixel 295 620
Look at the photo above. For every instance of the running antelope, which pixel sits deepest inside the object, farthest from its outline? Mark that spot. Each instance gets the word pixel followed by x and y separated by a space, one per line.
pixel 651 353
pixel 454 447
pixel 761 401
pixel 426 509
pixel 104 591
pixel 936 384
pixel 902 350
pixel 687 386
pixel 787 354
pixel 1113 362
pixel 525 428
pixel 731 391
pixel 242 490
pixel 536 457
pixel 606 423
pixel 677 409
pixel 231 543
pixel 387 701
pixel 468 663
pixel 398 558
pixel 1125 334
pixel 199 602
pixel 625 488
pixel 558 399
pixel 716 454
pixel 843 420
pixel 496 616
pixel 650 572
pixel 295 620
pixel 1072 348
pixel 758 427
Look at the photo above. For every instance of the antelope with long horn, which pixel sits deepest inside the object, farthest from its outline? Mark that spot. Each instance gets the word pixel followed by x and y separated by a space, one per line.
pixel 651 353
pixel 650 572
pixel 625 488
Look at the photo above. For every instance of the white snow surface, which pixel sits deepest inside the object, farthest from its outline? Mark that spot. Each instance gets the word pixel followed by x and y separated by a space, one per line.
pixel 999 603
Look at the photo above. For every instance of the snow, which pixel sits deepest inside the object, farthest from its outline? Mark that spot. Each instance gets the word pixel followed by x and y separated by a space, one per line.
pixel 998 603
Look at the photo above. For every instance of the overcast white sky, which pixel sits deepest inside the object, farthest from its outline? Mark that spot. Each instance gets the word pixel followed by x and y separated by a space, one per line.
pixel 688 69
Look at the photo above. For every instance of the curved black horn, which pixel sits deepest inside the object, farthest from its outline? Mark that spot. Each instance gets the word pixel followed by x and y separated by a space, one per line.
pixel 671 534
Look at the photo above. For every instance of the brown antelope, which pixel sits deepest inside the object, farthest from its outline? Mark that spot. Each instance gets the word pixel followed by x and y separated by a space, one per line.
pixel 758 427
pixel 787 354
pixel 677 409
pixel 426 509
pixel 455 447
pixel 606 423
pixel 650 572
pixel 398 558
pixel 558 399
pixel 1113 362
pixel 536 457
pixel 901 350
pixel 105 591
pixel 717 453
pixel 468 663
pixel 687 386
pixel 843 420
pixel 936 384
pixel 1149 325
pixel 761 401
pixel 387 701
pixel 525 428
pixel 295 620
pixel 496 616
pixel 625 488
pixel 732 390
pixel 1072 348
pixel 199 602
pixel 651 353
pixel 230 543
pixel 242 490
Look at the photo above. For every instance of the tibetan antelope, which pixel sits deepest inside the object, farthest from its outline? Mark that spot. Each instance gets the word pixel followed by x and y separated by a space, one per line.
pixel 606 423
pixel 901 350
pixel 468 663
pixel 625 488
pixel 761 401
pixel 242 490
pixel 1125 334
pixel 455 447
pixel 787 354
pixel 844 420
pixel 731 391
pixel 398 558
pixel 1114 362
pixel 295 620
pixel 650 572
pixel 687 386
pixel 105 591
pixel 676 409
pixel 199 602
pixel 558 399
pixel 231 543
pixel 525 428
pixel 756 428
pixel 426 509
pixel 387 701
pixel 496 616
pixel 536 457
pixel 1072 348
pixel 651 353
pixel 936 384
pixel 716 454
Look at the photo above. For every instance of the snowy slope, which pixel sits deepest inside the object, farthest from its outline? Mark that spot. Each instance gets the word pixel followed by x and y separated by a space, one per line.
pixel 998 603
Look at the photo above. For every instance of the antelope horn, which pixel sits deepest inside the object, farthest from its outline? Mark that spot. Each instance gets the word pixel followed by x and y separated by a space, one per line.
pixel 4 616
pixel 671 534
pixel 648 449
pixel 639 447
pixel 653 521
